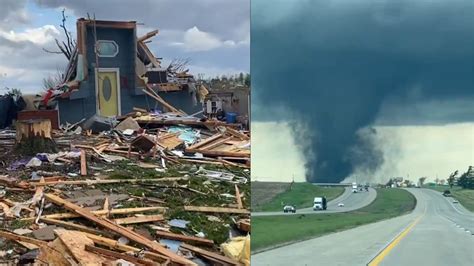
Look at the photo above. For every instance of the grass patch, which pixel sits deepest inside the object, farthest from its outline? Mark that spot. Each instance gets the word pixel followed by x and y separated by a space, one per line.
pixel 464 196
pixel 270 231
pixel 301 195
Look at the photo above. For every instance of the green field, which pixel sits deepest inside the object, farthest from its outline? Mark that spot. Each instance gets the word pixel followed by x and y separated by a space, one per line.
pixel 300 195
pixel 270 231
pixel 464 196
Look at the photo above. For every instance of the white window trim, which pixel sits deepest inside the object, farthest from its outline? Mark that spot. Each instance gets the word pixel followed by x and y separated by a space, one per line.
pixel 107 41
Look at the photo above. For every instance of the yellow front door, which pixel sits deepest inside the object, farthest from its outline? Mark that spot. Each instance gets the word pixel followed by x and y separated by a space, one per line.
pixel 108 93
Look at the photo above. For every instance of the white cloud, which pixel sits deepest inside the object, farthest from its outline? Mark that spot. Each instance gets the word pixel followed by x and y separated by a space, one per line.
pixel 195 40
pixel 275 156
pixel 416 151
pixel 41 35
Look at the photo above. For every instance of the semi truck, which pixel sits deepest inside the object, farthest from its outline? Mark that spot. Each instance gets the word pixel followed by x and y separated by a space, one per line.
pixel 354 187
pixel 319 203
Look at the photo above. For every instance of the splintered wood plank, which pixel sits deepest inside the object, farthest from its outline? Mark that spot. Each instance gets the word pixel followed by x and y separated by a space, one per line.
pixel 83 163
pixel 46 253
pixel 206 141
pixel 216 209
pixel 139 219
pixel 243 153
pixel 108 181
pixel 183 238
pixel 237 133
pixel 212 145
pixel 72 226
pixel 123 231
pixel 76 242
pixel 114 244
pixel 58 245
pixel 217 258
pixel 238 197
pixel 117 255
pixel 101 212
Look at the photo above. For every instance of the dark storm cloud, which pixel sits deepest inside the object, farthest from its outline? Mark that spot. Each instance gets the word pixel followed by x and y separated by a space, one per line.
pixel 12 12
pixel 221 17
pixel 336 63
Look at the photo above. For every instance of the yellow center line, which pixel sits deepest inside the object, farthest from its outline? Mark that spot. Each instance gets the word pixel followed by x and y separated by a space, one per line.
pixel 376 261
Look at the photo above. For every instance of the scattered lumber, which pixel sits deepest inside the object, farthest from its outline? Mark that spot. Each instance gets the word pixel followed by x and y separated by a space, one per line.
pixel 47 253
pixel 108 181
pixel 223 144
pixel 139 219
pixel 76 242
pixel 149 91
pixel 215 210
pixel 216 258
pixel 102 212
pixel 188 239
pixel 116 245
pixel 73 226
pixel 238 197
pixel 116 255
pixel 123 231
pixel 83 163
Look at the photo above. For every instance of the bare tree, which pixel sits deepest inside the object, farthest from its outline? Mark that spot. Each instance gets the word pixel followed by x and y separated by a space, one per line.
pixel 68 46
pixel 53 80
pixel 178 65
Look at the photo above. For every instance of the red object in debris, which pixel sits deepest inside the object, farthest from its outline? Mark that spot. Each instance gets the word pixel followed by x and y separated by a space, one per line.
pixel 52 115
pixel 47 96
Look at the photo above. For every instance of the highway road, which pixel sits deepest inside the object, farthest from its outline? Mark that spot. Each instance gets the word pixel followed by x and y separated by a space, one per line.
pixel 352 201
pixel 437 232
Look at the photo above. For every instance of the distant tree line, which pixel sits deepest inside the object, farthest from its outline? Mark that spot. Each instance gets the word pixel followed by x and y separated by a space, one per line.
pixel 466 180
pixel 242 79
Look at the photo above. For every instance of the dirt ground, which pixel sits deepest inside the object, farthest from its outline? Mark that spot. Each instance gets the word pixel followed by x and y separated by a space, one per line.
pixel 263 192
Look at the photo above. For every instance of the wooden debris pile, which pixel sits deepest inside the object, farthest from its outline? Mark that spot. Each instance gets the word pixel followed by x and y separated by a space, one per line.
pixel 230 143
pixel 136 194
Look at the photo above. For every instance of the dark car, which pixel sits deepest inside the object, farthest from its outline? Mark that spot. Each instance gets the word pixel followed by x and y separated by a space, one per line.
pixel 447 193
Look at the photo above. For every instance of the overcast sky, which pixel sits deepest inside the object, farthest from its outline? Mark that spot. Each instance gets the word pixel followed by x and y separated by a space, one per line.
pixel 383 88
pixel 213 34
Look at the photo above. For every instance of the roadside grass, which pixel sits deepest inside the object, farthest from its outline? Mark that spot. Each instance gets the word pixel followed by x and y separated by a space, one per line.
pixel 464 196
pixel 301 195
pixel 270 231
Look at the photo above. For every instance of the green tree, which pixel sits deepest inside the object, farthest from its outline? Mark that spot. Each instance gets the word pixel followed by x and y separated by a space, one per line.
pixel 466 180
pixel 421 181
pixel 406 182
pixel 452 179
pixel 247 80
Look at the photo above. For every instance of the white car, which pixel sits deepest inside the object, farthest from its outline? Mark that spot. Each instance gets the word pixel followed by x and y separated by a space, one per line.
pixel 289 208
pixel 340 204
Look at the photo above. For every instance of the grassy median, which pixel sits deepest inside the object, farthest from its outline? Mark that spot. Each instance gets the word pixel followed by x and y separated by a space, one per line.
pixel 301 195
pixel 464 196
pixel 269 231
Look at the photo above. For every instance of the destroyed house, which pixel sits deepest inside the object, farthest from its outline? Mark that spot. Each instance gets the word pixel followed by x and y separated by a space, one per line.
pixel 229 100
pixel 109 71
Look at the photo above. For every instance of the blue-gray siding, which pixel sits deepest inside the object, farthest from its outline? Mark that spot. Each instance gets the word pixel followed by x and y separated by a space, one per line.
pixel 82 104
